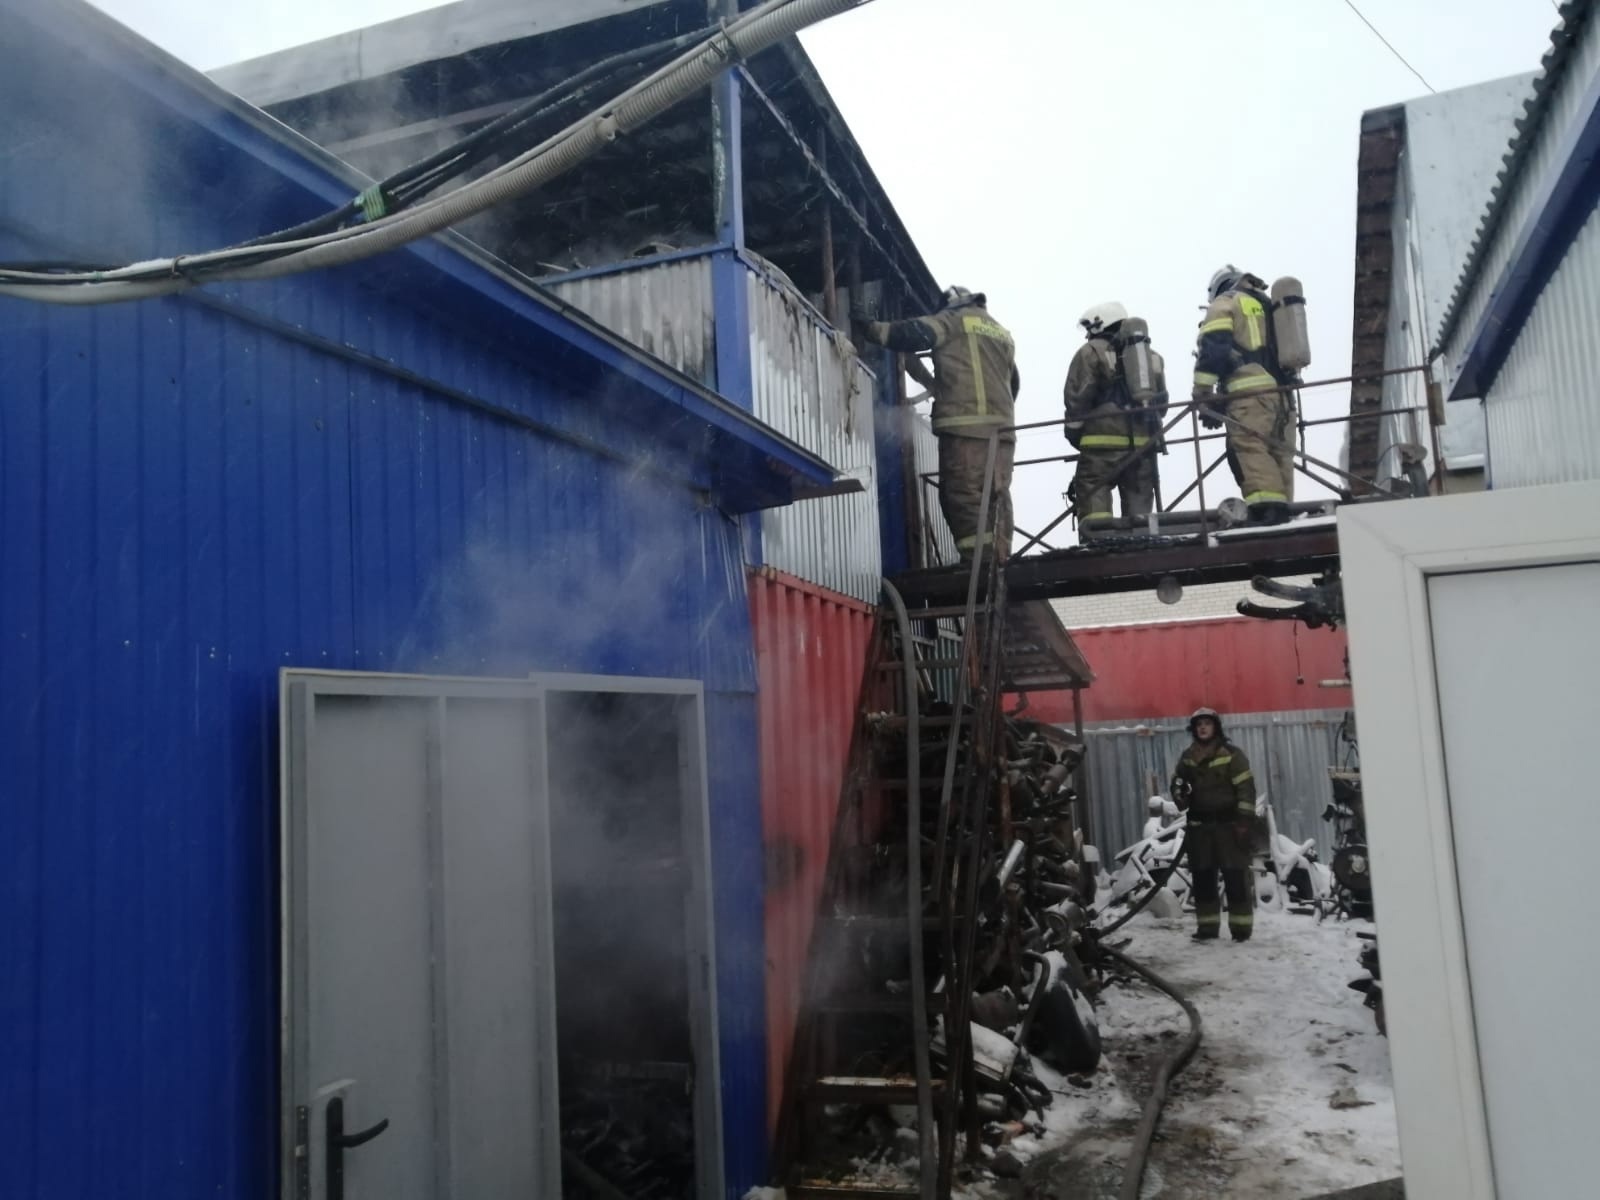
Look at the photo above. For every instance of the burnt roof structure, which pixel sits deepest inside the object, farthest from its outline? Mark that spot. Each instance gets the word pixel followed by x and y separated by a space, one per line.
pixel 386 96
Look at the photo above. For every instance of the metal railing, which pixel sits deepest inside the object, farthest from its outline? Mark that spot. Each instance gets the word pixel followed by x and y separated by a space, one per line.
pixel 1205 518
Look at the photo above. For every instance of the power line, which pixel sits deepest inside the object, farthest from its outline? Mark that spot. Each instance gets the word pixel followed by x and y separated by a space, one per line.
pixel 1350 4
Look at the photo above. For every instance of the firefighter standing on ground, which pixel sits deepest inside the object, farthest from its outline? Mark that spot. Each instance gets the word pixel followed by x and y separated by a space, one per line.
pixel 975 384
pixel 1240 370
pixel 1115 393
pixel 1214 786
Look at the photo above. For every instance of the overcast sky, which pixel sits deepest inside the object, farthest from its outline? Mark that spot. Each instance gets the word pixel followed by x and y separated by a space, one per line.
pixel 1056 153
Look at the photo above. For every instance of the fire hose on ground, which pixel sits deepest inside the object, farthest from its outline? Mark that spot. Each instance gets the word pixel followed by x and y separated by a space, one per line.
pixel 1133 1173
pixel 1139 1156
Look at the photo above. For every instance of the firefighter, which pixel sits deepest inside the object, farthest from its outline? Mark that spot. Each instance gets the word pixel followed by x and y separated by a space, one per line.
pixel 1114 395
pixel 1214 786
pixel 975 385
pixel 1236 372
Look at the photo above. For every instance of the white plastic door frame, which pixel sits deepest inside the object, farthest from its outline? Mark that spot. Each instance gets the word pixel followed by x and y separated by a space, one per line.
pixel 1388 552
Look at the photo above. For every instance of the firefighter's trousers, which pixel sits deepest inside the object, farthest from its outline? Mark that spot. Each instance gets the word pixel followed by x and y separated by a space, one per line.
pixel 1263 468
pixel 962 461
pixel 1093 484
pixel 1214 851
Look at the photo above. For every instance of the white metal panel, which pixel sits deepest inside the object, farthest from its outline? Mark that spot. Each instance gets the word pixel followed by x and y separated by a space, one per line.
pixel 1389 552
pixel 1455 143
pixel 926 452
pixel 665 309
pixel 1516 696
pixel 1542 163
pixel 1543 408
pixel 810 385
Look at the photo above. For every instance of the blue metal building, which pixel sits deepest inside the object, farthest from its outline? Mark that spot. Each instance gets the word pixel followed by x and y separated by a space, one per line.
pixel 418 464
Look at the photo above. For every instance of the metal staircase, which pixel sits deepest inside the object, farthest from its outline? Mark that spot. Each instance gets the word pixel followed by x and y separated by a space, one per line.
pixel 900 904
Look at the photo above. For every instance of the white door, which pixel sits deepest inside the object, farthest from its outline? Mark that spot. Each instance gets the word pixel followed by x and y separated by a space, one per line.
pixel 1475 655
pixel 419 1013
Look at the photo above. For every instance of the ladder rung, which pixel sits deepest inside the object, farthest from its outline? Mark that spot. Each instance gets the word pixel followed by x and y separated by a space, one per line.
pixel 922 664
pixel 948 612
pixel 896 721
pixel 866 1089
pixel 847 1189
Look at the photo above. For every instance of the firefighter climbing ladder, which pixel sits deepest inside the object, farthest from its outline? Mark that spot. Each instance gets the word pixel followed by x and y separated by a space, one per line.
pixel 900 901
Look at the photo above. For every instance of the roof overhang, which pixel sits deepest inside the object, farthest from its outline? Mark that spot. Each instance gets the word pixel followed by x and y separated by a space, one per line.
pixel 1565 203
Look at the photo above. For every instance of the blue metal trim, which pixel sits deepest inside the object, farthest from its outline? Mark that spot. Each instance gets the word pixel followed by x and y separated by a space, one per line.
pixel 1567 202
pixel 730 301
pixel 631 264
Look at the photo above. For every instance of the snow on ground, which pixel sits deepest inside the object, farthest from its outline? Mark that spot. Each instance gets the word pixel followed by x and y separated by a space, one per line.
pixel 1250 1116
pixel 1251 1113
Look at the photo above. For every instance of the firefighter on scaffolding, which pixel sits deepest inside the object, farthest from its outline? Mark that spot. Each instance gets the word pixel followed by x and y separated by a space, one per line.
pixel 1115 394
pixel 975 384
pixel 1252 346
pixel 1213 785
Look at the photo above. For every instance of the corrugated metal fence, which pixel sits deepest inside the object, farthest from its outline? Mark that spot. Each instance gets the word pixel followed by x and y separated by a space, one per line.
pixel 1290 753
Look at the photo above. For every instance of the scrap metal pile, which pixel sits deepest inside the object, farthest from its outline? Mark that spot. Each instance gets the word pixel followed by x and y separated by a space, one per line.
pixel 627 1132
pixel 1030 992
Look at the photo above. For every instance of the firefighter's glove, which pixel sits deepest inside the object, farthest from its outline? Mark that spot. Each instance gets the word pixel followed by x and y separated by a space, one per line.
pixel 1210 418
pixel 1246 834
pixel 1182 789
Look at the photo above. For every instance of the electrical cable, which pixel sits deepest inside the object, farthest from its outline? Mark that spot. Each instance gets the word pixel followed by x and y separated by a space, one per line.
pixel 418 178
pixel 1350 4
pixel 739 39
pixel 1139 1157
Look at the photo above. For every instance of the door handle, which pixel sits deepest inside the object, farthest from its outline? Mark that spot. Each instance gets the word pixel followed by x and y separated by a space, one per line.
pixel 339 1141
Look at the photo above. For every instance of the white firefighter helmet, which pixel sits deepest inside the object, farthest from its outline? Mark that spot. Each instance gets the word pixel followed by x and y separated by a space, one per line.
pixel 960 297
pixel 1223 279
pixel 1209 714
pixel 1100 317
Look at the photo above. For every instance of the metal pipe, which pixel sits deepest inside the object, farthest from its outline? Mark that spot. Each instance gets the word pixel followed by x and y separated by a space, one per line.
pixel 1009 867
pixel 919 997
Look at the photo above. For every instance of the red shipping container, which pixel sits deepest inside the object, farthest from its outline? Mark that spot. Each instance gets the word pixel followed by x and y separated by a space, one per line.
pixel 1231 664
pixel 811 650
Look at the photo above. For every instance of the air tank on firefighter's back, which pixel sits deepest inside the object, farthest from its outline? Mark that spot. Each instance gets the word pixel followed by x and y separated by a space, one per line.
pixel 1138 362
pixel 1289 324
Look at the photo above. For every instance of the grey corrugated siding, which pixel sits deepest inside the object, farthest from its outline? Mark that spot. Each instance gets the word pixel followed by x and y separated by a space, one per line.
pixel 926 450
pixel 1543 408
pixel 1290 753
pixel 810 385
pixel 806 381
pixel 665 310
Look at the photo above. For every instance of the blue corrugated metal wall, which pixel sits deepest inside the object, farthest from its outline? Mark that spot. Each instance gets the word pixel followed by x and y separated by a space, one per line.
pixel 192 499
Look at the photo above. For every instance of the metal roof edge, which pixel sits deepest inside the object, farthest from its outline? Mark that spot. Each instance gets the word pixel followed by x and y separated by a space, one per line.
pixel 110 45
pixel 1574 14
pixel 1561 210
pixel 806 70
pixel 403 42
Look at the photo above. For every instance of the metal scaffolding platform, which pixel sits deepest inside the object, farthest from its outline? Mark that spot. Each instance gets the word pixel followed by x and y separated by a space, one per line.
pixel 1299 548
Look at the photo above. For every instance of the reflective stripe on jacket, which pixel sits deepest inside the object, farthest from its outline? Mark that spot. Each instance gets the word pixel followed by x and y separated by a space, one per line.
pixel 1222 787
